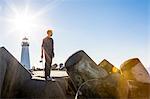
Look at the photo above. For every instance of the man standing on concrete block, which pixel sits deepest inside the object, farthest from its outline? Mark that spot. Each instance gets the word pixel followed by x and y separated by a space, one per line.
pixel 48 49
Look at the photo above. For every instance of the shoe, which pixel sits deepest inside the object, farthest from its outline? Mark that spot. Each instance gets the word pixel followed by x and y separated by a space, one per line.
pixel 48 78
pixel 53 79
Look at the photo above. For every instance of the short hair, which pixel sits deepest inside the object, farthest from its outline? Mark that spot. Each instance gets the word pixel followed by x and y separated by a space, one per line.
pixel 49 31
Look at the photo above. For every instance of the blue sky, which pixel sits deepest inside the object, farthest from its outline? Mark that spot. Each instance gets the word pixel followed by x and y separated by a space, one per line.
pixel 115 30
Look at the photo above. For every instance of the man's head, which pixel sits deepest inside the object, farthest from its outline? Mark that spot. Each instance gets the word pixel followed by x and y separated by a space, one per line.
pixel 49 33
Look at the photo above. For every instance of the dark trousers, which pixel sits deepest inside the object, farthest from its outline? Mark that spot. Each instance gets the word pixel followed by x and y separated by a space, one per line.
pixel 48 63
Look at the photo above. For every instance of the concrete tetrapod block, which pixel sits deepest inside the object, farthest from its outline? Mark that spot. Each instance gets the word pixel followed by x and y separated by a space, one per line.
pixel 16 82
pixel 113 86
pixel 108 67
pixel 80 67
pixel 12 74
pixel 139 79
pixel 133 69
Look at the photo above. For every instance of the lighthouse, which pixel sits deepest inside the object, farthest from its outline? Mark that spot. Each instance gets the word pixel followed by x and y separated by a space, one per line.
pixel 25 57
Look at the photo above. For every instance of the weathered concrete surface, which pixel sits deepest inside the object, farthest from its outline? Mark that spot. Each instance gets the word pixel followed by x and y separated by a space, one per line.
pixel 101 81
pixel 133 69
pixel 81 68
pixel 113 86
pixel 12 74
pixel 45 89
pixel 139 90
pixel 70 87
pixel 138 78
pixel 16 82
pixel 108 67
pixel 95 81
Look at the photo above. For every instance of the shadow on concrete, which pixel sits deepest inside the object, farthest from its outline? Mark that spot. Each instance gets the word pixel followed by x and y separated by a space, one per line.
pixel 16 81
pixel 43 89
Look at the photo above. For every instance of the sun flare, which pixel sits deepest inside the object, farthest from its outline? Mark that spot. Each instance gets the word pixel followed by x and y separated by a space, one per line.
pixel 26 19
pixel 24 22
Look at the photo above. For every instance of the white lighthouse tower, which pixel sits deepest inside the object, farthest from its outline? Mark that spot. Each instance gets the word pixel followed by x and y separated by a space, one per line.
pixel 25 58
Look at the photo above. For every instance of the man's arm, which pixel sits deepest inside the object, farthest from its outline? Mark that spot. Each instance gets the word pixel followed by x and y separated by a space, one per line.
pixel 42 50
pixel 53 48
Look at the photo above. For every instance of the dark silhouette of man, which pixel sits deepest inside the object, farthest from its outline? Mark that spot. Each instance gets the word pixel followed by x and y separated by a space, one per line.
pixel 48 50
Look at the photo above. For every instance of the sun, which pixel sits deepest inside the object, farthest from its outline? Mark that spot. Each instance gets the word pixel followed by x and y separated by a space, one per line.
pixel 27 19
pixel 24 22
